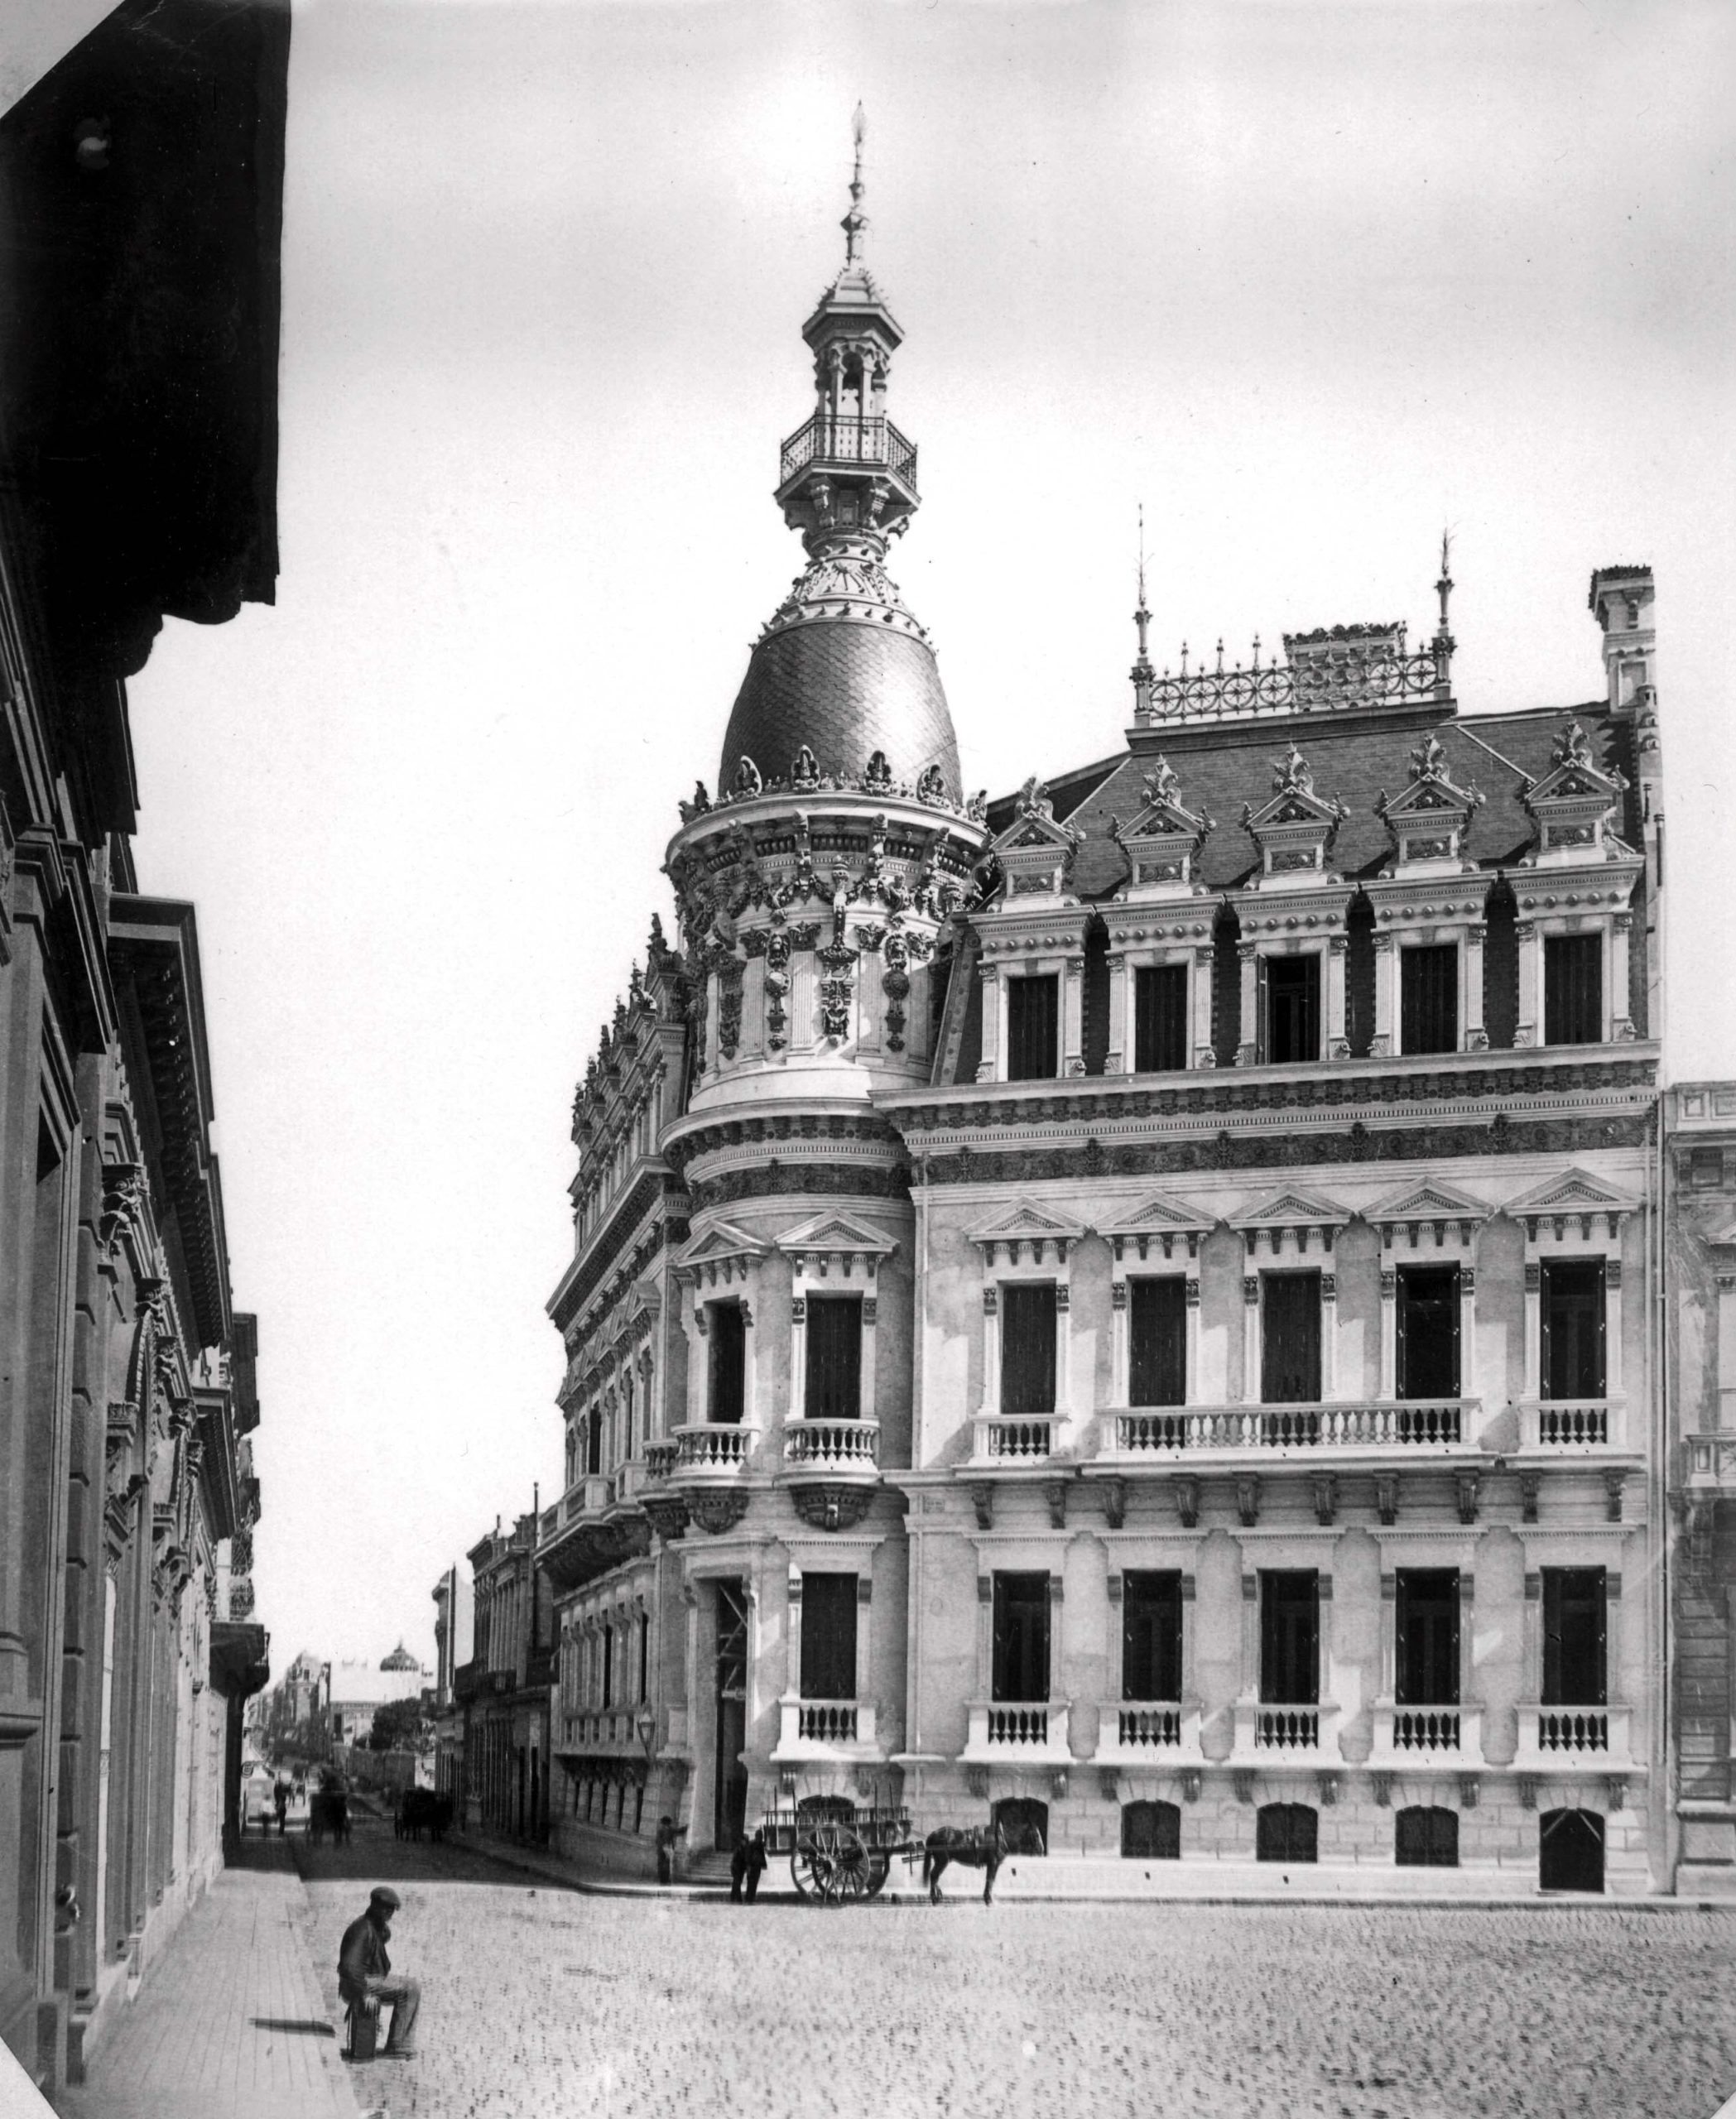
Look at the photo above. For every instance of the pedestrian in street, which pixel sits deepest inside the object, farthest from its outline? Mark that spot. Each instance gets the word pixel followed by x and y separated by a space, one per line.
pixel 755 1864
pixel 737 1871
pixel 668 1833
pixel 364 1973
pixel 280 1802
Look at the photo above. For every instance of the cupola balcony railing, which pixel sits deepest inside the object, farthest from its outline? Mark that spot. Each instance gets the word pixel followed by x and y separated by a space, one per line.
pixel 851 440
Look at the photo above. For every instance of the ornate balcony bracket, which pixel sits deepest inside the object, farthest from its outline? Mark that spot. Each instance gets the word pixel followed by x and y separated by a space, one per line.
pixel 1469 1786
pixel 667 1514
pixel 982 1497
pixel 1114 1496
pixel 716 1512
pixel 1187 1501
pixel 1382 1786
pixel 829 1506
pixel 1055 1492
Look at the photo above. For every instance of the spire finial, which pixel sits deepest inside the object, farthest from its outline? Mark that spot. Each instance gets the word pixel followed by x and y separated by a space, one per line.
pixel 855 221
pixel 1443 587
pixel 1141 617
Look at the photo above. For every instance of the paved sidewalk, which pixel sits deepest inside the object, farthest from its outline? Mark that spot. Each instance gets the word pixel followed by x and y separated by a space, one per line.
pixel 230 2024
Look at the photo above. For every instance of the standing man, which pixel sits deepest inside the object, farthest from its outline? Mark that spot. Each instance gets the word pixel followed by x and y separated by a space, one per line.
pixel 668 1832
pixel 755 1864
pixel 364 1972
pixel 280 1802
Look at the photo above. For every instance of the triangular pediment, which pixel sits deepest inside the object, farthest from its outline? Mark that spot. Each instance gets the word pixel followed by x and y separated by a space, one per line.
pixel 1430 1201
pixel 1039 1226
pixel 1158 1215
pixel 1032 833
pixel 1291 1208
pixel 723 1241
pixel 1573 1192
pixel 833 1235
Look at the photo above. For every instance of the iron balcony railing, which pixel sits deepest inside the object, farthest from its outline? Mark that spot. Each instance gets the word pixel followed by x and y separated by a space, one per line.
pixel 1353 677
pixel 847 439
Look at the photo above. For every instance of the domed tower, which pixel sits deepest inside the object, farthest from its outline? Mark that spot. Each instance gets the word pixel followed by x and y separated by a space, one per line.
pixel 817 892
pixel 813 890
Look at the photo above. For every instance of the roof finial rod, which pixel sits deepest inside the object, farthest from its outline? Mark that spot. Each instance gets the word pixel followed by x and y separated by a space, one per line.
pixel 855 221
pixel 1443 587
pixel 1141 617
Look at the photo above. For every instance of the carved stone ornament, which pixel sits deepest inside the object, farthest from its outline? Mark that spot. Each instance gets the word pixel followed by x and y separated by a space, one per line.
pixel 124 1200
pixel 667 1514
pixel 1114 1494
pixel 982 1497
pixel 832 1507
pixel 976 1782
pixel 717 1513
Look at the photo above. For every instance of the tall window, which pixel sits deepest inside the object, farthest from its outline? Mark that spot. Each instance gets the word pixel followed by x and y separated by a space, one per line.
pixel 1574 1601
pixel 835 1358
pixel 1429 997
pixel 1572 1312
pixel 1151 1636
pixel 729 1340
pixel 1290 1009
pixel 1033 1029
pixel 593 1441
pixel 828 1636
pixel 1427 1620
pixel 1160 1018
pixel 1021 1669
pixel 644 1656
pixel 1158 1342
pixel 1428 1331
pixel 1027 1346
pixel 1290 1637
pixel 608 1666
pixel 1573 989
pixel 1290 1340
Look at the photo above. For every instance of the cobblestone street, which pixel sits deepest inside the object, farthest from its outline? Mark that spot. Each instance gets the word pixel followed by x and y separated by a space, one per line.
pixel 537 1999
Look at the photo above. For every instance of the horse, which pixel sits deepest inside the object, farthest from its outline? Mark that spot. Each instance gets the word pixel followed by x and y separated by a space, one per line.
pixel 975 1847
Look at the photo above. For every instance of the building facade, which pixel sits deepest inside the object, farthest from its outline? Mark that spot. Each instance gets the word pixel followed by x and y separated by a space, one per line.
pixel 504 1688
pixel 455 1635
pixel 137 467
pixel 1130 1310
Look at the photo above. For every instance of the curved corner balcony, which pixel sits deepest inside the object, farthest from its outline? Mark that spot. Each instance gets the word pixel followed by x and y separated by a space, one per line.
pixel 850 443
pixel 710 1453
pixel 832 1449
pixel 1391 1428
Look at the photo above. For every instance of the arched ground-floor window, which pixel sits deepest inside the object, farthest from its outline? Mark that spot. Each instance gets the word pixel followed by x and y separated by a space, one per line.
pixel 1427 1839
pixel 1286 1832
pixel 1025 1821
pixel 1570 1850
pixel 1150 1832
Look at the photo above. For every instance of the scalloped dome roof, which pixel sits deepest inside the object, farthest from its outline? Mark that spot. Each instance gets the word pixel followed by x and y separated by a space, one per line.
pixel 846 688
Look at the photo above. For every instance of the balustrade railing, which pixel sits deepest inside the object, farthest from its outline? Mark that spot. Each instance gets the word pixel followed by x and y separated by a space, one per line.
pixel 1004 1728
pixel 1573 1736
pixel 714 1451
pixel 1571 1423
pixel 1022 1438
pixel 832 1446
pixel 807 1725
pixel 1392 1424
pixel 1287 1729
pixel 660 1459
pixel 846 438
pixel 1451 1732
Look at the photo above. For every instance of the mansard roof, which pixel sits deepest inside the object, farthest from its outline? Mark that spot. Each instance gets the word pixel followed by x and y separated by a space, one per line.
pixel 1357 758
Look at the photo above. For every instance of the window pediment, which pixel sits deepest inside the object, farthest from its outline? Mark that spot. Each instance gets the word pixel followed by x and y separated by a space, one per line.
pixel 1572 1198
pixel 1430 1205
pixel 834 1242
pixel 1290 1210
pixel 1035 853
pixel 1157 1220
pixel 1024 1227
pixel 724 1253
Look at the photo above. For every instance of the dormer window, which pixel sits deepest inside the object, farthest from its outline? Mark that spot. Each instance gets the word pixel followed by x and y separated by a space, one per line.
pixel 1159 938
pixel 1033 938
pixel 1292 917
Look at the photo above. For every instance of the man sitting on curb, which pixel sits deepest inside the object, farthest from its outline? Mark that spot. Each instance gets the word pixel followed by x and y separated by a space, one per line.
pixel 364 1973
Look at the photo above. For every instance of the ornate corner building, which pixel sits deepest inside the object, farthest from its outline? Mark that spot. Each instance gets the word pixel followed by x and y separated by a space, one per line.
pixel 1130 1307
pixel 137 477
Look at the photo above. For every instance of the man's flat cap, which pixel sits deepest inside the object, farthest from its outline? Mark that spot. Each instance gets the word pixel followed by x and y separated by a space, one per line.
pixel 384 1895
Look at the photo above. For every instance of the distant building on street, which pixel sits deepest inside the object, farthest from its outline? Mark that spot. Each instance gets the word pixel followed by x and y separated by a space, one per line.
pixel 356 1691
pixel 503 1689
pixel 140 189
pixel 1127 1309
pixel 453 1645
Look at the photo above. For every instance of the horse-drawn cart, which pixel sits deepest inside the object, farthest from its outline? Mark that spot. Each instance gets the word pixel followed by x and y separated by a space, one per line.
pixel 838 1852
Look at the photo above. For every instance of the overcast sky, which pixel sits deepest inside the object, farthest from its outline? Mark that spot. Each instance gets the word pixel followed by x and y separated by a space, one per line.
pixel 1311 282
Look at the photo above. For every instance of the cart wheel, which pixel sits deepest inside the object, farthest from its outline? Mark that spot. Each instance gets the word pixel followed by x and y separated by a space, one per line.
pixel 852 1866
pixel 880 1867
pixel 809 1864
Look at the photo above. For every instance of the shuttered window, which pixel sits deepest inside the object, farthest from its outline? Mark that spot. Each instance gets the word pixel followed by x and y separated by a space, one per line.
pixel 1428 1331
pixel 729 1341
pixel 1158 1342
pixel 835 1358
pixel 1575 1604
pixel 1290 1636
pixel 1290 1339
pixel 1020 1637
pixel 1425 1837
pixel 1573 989
pixel 1160 1018
pixel 1027 1346
pixel 593 1441
pixel 1429 997
pixel 1033 1029
pixel 1151 1636
pixel 1572 1310
pixel 1426 1620
pixel 828 1636
pixel 1290 1010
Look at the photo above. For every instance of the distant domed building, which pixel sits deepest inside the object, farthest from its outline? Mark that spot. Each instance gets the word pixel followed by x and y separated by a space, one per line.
pixel 400 1659
pixel 1125 1312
